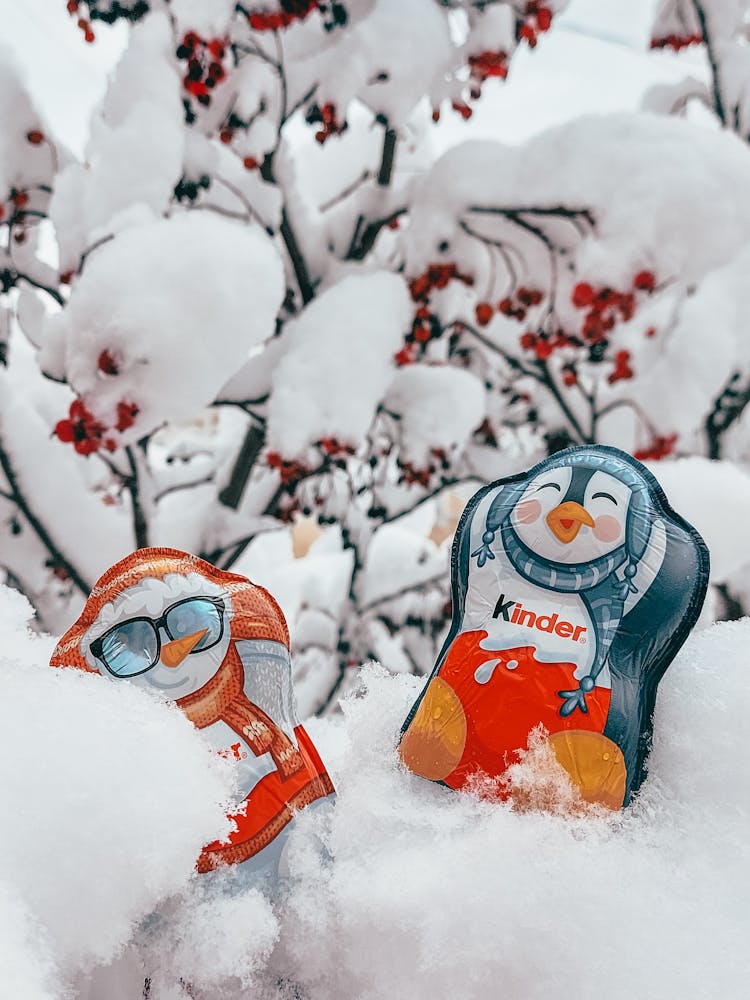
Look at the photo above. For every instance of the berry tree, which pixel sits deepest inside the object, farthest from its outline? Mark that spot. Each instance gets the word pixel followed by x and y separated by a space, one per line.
pixel 270 302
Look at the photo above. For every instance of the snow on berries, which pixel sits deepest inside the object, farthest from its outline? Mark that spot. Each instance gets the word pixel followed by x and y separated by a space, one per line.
pixel 426 326
pixel 207 61
pixel 486 65
pixel 325 117
pixel 606 306
pixel 676 42
pixel 289 471
pixel 83 430
pixel 537 19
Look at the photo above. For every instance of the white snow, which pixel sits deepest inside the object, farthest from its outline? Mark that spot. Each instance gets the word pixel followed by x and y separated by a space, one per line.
pixel 108 798
pixel 134 156
pixel 162 299
pixel 715 498
pixel 439 407
pixel 356 326
pixel 426 892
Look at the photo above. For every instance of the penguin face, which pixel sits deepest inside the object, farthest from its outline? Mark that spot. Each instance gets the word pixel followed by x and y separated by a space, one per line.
pixel 572 515
pixel 169 635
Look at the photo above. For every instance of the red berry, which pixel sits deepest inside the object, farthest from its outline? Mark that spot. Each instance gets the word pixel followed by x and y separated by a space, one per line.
pixel 505 306
pixel 72 6
pixel 20 199
pixel 35 137
pixel 226 135
pixel 273 458
pixel 126 414
pixel 484 313
pixel 583 295
pixel 544 18
pixel 645 281
pixel 422 333
pixel 89 37
pixel 250 163
pixel 64 430
pixel 569 376
pixel 543 349
pixel 651 331
pixel 107 363
pixel 436 114
pixel 527 341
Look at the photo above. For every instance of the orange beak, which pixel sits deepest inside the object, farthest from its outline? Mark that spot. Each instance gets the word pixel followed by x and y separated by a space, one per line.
pixel 566 519
pixel 175 652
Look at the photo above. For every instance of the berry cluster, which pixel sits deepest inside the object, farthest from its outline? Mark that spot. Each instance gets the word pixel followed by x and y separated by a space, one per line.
pixel 289 471
pixel 291 10
pixel 334 448
pixel 89 435
pixel 622 369
pixel 325 118
pixel 676 42
pixel 485 65
pixel 660 447
pixel 544 344
pixel 537 20
pixel 205 65
pixel 414 476
pixel 436 276
pixel 426 326
pixel 516 306
pixel 605 306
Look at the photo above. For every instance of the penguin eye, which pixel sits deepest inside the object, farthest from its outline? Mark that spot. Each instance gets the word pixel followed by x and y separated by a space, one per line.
pixel 545 485
pixel 607 496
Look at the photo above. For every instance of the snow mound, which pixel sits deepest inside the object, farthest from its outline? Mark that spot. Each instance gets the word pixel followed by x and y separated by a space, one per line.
pixel 155 319
pixel 434 893
pixel 357 325
pixel 404 888
pixel 108 798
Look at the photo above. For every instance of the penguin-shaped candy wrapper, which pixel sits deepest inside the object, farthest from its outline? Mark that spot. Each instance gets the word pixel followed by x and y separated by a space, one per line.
pixel 218 646
pixel 574 586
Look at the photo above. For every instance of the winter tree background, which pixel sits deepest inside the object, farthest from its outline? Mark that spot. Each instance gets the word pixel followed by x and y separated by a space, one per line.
pixel 282 282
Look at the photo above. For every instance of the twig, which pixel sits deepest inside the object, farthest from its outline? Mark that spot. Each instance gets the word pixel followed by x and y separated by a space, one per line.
pixel 42 533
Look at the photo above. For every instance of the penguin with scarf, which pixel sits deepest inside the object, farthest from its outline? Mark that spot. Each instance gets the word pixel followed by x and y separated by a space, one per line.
pixel 591 528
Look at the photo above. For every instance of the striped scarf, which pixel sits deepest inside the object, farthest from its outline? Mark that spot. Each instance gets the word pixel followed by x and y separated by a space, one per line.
pixel 601 591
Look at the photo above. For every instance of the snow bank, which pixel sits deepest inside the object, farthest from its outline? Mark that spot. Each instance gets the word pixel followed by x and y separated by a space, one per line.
pixel 419 891
pixel 108 798
pixel 438 894
pixel 161 300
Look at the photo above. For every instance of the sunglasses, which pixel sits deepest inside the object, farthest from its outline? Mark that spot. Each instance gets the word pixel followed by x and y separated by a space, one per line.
pixel 132 647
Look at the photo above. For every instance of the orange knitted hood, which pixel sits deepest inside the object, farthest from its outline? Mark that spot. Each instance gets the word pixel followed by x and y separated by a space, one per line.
pixel 256 615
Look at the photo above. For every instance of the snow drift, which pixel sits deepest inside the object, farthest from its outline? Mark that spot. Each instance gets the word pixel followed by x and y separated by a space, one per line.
pixel 418 891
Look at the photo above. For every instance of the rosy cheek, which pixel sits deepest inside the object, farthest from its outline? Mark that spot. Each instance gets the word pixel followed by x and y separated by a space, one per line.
pixel 606 528
pixel 528 511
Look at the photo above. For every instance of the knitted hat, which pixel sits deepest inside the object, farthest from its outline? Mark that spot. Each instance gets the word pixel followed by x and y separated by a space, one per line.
pixel 255 614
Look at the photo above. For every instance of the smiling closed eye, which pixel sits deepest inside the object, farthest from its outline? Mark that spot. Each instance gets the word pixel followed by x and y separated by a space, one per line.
pixel 606 496
pixel 553 485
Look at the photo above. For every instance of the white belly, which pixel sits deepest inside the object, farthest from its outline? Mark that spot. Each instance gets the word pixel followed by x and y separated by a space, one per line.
pixel 516 612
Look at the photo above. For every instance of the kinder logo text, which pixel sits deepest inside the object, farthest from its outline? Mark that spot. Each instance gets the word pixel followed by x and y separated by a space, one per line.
pixel 515 613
